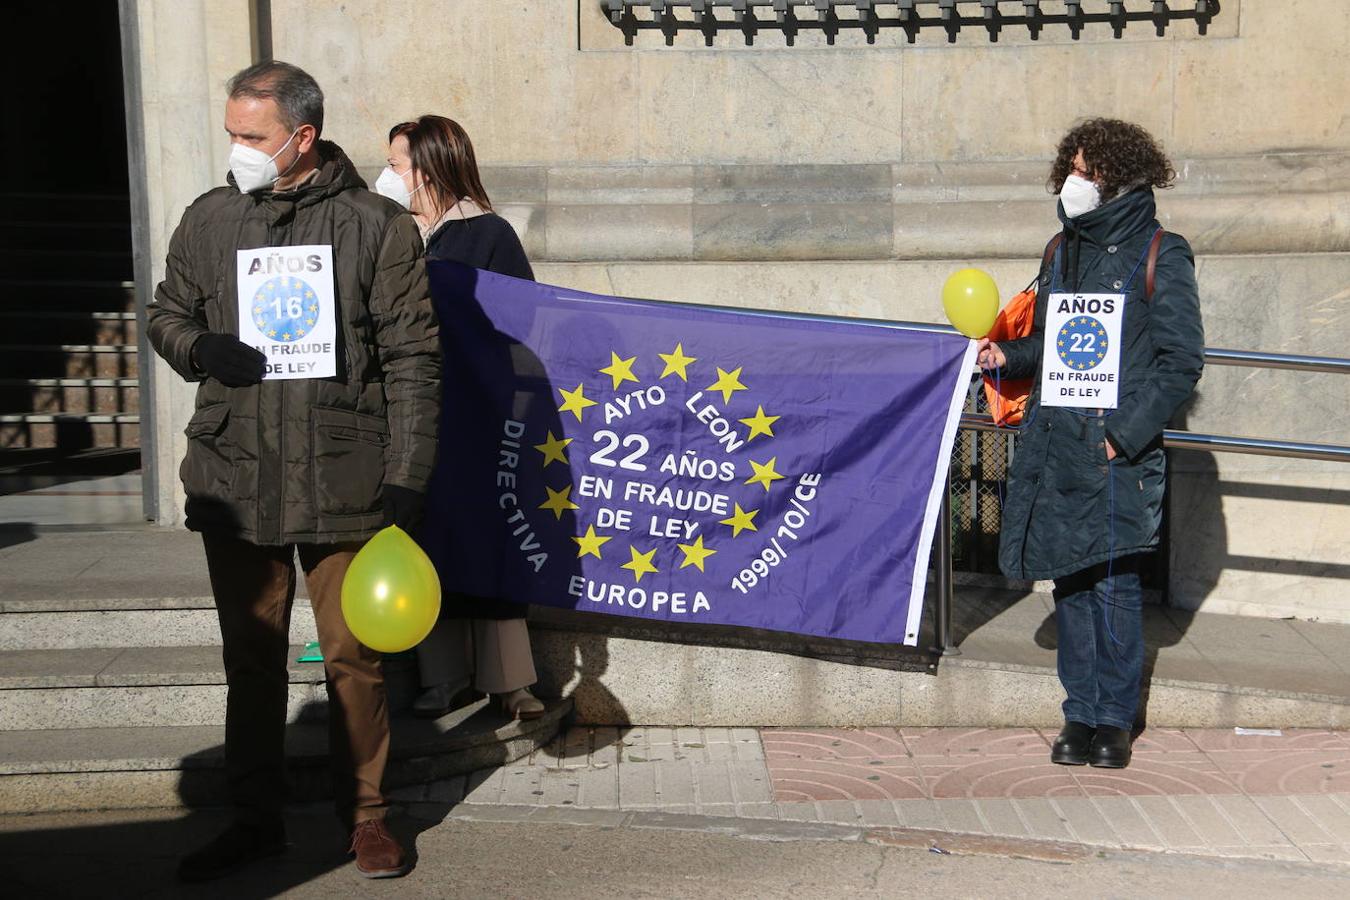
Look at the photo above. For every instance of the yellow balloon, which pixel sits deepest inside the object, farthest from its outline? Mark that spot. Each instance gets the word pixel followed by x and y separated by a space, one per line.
pixel 970 299
pixel 391 595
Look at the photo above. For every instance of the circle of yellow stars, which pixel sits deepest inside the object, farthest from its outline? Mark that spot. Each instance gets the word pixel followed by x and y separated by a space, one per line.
pixel 285 328
pixel 1093 326
pixel 676 364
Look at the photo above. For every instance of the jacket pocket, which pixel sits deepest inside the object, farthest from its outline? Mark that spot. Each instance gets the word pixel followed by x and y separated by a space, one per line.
pixel 349 451
pixel 208 466
pixel 208 421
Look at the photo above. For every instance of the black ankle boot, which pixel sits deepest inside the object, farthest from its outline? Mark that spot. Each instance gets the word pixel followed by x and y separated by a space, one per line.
pixel 1071 747
pixel 1110 748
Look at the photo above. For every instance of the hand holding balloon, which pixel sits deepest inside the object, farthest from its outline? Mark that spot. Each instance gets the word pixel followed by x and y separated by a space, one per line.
pixel 988 355
pixel 970 299
pixel 391 596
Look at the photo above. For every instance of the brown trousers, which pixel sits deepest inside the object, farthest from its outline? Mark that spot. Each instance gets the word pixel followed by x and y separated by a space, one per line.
pixel 254 588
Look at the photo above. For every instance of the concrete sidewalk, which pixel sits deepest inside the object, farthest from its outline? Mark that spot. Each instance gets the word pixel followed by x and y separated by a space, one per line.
pixel 1197 792
pixel 560 852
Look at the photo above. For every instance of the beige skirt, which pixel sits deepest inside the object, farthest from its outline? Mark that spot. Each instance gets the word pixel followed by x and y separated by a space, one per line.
pixel 494 652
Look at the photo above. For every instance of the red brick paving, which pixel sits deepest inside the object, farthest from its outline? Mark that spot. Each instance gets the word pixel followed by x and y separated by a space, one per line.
pixel 813 779
pixel 937 763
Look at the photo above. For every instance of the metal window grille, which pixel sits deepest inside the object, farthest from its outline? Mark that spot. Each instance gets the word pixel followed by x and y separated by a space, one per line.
pixel 871 16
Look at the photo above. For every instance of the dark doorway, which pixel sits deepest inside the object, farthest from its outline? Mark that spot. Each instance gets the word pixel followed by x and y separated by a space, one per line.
pixel 69 378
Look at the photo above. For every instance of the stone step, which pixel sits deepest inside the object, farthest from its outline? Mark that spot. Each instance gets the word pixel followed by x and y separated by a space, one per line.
pixel 52 463
pixel 72 431
pixel 69 361
pixel 38 207
pixel 88 235
pixel 68 295
pixel 140 768
pixel 70 395
pixel 65 262
pixel 137 586
pixel 64 623
pixel 134 687
pixel 36 325
pixel 1202 670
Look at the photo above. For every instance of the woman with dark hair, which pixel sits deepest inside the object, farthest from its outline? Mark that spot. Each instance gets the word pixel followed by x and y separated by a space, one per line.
pixel 432 171
pixel 1116 348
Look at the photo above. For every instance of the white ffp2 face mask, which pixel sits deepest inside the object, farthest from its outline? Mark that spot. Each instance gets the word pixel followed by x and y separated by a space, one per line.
pixel 391 184
pixel 1079 196
pixel 254 169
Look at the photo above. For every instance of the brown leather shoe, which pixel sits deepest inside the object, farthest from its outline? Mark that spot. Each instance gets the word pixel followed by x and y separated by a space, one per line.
pixel 378 853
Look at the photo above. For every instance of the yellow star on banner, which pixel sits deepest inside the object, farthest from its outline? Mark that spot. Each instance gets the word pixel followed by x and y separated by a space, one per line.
pixel 558 501
pixel 741 521
pixel 676 362
pixel 640 564
pixel 695 553
pixel 575 401
pixel 590 543
pixel 553 449
pixel 727 382
pixel 620 370
pixel 765 474
pixel 285 335
pixel 759 424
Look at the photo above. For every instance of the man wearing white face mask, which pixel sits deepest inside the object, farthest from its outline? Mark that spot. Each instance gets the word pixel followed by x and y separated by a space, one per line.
pixel 299 302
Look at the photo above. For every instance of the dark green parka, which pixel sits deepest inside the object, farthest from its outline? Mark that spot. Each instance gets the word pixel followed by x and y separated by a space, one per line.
pixel 305 460
pixel 1062 514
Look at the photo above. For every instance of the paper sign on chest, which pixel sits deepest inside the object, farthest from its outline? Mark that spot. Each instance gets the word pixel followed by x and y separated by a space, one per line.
pixel 288 309
pixel 1081 355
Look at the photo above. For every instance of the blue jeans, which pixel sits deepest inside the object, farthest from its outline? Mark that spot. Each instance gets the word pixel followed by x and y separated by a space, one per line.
pixel 1101 643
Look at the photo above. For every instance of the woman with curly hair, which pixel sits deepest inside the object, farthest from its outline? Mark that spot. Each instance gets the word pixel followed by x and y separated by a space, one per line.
pixel 1117 347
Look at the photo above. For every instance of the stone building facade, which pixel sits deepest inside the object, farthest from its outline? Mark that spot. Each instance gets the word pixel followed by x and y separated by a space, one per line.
pixel 846 178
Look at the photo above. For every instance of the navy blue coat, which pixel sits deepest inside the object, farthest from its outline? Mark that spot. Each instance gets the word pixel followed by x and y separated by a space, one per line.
pixel 485 242
pixel 1067 508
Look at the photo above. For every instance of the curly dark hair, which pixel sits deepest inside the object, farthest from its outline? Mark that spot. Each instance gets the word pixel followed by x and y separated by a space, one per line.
pixel 1119 156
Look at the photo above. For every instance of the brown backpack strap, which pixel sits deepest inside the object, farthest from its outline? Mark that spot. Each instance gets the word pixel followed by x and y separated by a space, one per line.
pixel 1050 249
pixel 1152 263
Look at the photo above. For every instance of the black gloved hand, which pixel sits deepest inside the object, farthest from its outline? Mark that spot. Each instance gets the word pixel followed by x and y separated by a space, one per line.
pixel 228 360
pixel 404 507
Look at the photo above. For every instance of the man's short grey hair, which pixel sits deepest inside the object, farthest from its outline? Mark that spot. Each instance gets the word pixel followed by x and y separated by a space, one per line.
pixel 295 92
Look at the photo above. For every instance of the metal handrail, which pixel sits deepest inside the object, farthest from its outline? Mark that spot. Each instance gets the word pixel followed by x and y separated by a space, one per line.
pixel 1191 440
pixel 1290 361
pixel 1181 440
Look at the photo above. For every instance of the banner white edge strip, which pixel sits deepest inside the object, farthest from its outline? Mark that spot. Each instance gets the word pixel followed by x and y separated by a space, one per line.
pixel 919 583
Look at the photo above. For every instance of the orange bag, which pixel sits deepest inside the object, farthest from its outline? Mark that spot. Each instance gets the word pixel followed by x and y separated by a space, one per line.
pixel 1007 398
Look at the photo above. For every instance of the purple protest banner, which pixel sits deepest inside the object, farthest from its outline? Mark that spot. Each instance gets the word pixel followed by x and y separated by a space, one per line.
pixel 686 463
